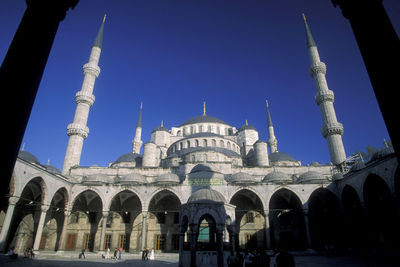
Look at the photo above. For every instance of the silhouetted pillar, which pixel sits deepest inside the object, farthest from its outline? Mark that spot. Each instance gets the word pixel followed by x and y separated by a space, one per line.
pixel 21 72
pixel 380 49
pixel 267 229
pixel 220 246
pixel 7 222
pixel 193 242
pixel 306 224
pixel 39 230
pixel 181 245
pixel 144 230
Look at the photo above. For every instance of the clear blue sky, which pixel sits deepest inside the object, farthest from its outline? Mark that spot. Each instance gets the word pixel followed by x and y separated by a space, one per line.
pixel 173 55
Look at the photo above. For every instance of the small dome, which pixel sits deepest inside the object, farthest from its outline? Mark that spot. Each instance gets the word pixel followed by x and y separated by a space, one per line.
pixel 202 167
pixel 357 166
pixel 160 129
pixel 242 177
pixel 52 169
pixel 206 195
pixel 132 178
pixel 247 127
pixel 203 119
pixel 382 153
pixel 167 178
pixel 310 177
pixel 129 157
pixel 280 156
pixel 277 177
pixel 28 157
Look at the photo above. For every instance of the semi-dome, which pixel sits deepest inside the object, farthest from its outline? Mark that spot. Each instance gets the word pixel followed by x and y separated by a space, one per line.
pixel 311 177
pixel 131 178
pixel 242 177
pixel 28 157
pixel 203 119
pixel 206 195
pixel 277 177
pixel 203 167
pixel 167 178
pixel 280 156
pixel 129 157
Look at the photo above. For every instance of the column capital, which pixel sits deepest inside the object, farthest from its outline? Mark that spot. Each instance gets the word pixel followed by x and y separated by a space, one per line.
pixel 67 213
pixel 44 208
pixel 13 200
pixel 106 213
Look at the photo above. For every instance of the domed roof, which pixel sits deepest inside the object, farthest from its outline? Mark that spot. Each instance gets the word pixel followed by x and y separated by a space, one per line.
pixel 310 176
pixel 167 178
pixel 247 127
pixel 206 195
pixel 129 157
pixel 203 167
pixel 203 119
pixel 51 169
pixel 277 177
pixel 160 128
pixel 357 166
pixel 132 178
pixel 242 177
pixel 28 157
pixel 280 156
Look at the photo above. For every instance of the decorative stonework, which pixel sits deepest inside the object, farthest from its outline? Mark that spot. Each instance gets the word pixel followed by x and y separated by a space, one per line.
pixel 77 129
pixel 317 67
pixel 331 129
pixel 90 68
pixel 84 97
pixel 324 96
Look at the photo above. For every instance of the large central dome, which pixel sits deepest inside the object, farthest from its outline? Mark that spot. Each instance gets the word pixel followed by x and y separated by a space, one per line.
pixel 203 119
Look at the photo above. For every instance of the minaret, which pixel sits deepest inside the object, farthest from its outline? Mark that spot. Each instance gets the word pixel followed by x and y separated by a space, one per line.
pixel 137 141
pixel 332 130
pixel 272 142
pixel 77 130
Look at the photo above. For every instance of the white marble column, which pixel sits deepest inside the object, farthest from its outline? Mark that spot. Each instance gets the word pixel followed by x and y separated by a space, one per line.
pixel 267 229
pixel 39 230
pixel 61 243
pixel 12 201
pixel 144 229
pixel 103 230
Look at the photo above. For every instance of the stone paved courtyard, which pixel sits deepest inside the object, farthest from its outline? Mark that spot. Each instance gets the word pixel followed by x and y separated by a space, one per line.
pixel 69 259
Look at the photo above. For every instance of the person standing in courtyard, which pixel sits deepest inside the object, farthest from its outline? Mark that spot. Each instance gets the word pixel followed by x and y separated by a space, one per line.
pixel 152 254
pixel 120 254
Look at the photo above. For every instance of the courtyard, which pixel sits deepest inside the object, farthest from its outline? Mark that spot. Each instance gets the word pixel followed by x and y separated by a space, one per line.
pixel 171 259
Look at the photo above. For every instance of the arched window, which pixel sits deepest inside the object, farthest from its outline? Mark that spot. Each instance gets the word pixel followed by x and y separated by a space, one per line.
pixel 228 145
pixel 221 143
pixel 209 128
pixel 191 130
pixel 214 143
pixel 196 142
pixel 179 133
pixel 205 142
pixel 218 130
pixel 180 146
pixel 188 144
pixel 200 128
pixel 193 158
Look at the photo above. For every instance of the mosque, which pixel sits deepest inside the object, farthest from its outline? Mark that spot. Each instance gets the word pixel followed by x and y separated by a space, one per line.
pixel 203 188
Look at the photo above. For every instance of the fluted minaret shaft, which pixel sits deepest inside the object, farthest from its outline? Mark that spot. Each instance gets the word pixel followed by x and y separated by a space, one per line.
pixel 137 141
pixel 272 141
pixel 78 130
pixel 332 130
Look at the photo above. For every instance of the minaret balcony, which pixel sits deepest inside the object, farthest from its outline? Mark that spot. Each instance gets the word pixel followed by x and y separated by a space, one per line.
pixel 323 96
pixel 332 129
pixel 77 129
pixel 84 97
pixel 91 68
pixel 317 67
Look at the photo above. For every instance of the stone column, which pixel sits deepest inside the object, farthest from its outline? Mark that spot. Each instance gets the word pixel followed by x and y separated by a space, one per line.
pixel 61 243
pixel 40 228
pixel 267 229
pixel 181 245
pixel 220 246
pixel 12 201
pixel 144 229
pixel 103 230
pixel 193 241
pixel 309 243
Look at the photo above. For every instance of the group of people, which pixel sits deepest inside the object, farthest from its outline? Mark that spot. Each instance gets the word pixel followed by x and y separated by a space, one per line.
pixel 260 258
pixel 117 254
pixel 145 254
pixel 28 253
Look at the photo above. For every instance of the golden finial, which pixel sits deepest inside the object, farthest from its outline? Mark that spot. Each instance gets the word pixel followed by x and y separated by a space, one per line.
pixel 204 108
pixel 266 101
pixel 304 17
pixel 162 123
pixel 104 19
pixel 141 105
pixel 247 124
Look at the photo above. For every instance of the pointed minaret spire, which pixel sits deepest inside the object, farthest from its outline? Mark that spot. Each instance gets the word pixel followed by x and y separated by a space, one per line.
pixel 272 142
pixel 332 130
pixel 78 131
pixel 137 141
pixel 204 108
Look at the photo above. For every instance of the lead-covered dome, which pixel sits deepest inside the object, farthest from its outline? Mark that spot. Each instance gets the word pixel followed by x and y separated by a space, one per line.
pixel 203 119
pixel 129 158
pixel 206 195
pixel 242 178
pixel 28 157
pixel 277 177
pixel 311 177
